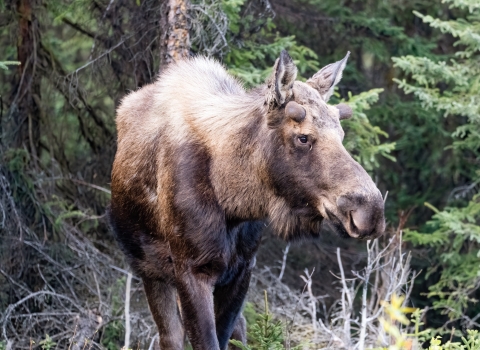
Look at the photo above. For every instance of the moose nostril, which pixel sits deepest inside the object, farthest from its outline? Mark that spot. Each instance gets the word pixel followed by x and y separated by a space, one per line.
pixel 360 219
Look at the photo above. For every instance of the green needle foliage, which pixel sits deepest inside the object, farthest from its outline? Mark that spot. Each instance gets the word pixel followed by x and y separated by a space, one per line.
pixel 266 334
pixel 454 235
pixel 47 343
pixel 364 140
pixel 255 45
pixel 452 88
pixel 4 65
pixel 471 342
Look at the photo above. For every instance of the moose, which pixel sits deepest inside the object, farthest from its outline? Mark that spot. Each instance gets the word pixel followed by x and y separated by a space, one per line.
pixel 204 165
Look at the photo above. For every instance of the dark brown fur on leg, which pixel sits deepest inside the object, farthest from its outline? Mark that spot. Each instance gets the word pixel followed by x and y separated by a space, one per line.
pixel 228 306
pixel 162 301
pixel 196 300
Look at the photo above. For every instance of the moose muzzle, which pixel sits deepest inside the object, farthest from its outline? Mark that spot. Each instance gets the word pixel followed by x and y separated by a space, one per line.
pixel 362 215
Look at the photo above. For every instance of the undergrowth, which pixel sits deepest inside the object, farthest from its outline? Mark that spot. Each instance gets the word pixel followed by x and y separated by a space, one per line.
pixel 268 333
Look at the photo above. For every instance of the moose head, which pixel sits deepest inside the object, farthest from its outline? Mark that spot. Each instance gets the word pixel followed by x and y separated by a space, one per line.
pixel 308 165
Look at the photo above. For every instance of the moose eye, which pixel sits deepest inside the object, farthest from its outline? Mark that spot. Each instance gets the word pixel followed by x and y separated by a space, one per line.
pixel 303 138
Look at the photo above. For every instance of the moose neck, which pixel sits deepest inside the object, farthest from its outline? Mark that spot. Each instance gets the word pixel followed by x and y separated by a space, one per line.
pixel 238 169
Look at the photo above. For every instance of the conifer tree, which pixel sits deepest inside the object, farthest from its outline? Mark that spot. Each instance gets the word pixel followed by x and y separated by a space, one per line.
pixel 452 88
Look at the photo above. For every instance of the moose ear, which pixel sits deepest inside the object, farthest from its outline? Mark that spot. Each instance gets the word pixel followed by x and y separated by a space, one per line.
pixel 281 81
pixel 325 79
pixel 344 111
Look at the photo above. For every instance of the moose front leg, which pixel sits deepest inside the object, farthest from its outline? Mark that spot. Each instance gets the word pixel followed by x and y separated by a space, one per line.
pixel 196 299
pixel 240 331
pixel 161 298
pixel 228 301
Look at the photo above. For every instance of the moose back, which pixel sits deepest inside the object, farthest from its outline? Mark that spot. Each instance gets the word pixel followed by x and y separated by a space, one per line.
pixel 203 165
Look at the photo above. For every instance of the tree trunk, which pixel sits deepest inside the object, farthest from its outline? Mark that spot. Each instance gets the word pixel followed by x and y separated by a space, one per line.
pixel 176 39
pixel 24 111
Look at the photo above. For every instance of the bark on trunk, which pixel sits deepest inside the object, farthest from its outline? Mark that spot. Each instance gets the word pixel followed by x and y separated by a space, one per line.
pixel 25 112
pixel 176 38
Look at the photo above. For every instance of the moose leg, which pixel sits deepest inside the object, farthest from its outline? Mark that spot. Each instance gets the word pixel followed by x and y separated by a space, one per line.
pixel 228 306
pixel 196 299
pixel 240 331
pixel 161 298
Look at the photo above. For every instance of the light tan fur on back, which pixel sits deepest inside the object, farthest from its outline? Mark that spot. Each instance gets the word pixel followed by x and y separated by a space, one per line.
pixel 196 95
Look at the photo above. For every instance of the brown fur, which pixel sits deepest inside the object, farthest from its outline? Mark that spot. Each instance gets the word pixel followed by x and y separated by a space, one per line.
pixel 203 166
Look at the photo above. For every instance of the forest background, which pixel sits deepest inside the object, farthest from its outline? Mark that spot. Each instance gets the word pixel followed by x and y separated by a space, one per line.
pixel 412 80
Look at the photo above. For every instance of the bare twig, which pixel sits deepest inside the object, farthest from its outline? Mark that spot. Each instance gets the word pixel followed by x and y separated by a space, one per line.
pixel 127 310
pixel 284 262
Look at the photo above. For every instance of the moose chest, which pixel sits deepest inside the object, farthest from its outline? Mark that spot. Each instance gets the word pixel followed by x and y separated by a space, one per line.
pixel 242 243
